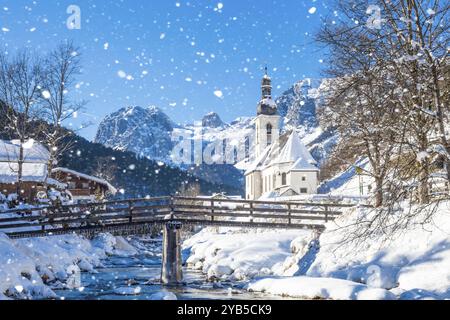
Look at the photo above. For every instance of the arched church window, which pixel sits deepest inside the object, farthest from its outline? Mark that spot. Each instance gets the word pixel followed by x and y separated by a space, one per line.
pixel 247 147
pixel 284 179
pixel 269 133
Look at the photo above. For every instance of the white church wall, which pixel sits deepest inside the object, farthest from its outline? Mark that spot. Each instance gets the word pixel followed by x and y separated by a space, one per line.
pixel 253 186
pixel 308 180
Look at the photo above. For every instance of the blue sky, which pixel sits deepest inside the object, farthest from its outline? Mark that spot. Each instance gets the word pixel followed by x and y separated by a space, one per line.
pixel 175 54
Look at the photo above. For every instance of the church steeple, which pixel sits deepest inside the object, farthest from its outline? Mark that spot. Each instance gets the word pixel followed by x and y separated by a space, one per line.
pixel 266 106
pixel 266 86
pixel 268 120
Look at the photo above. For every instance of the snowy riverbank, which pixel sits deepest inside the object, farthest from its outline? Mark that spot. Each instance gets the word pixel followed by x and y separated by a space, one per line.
pixel 31 268
pixel 415 264
pixel 231 254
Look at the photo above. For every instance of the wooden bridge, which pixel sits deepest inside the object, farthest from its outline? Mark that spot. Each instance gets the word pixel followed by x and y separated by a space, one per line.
pixel 141 216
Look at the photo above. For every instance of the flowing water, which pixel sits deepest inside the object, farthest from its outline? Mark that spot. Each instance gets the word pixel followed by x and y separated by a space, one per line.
pixel 139 275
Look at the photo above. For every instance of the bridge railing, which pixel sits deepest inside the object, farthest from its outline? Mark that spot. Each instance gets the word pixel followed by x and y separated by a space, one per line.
pixel 220 210
pixel 196 211
pixel 74 217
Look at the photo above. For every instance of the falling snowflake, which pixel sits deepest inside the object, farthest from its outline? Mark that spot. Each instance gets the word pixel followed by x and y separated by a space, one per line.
pixel 312 10
pixel 218 94
pixel 46 94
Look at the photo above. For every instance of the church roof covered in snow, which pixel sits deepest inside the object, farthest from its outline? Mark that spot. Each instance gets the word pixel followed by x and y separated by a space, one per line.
pixel 292 151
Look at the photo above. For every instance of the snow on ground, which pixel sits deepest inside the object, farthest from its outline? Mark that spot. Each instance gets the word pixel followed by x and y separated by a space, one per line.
pixel 319 288
pixel 348 183
pixel 413 265
pixel 416 263
pixel 30 268
pixel 231 254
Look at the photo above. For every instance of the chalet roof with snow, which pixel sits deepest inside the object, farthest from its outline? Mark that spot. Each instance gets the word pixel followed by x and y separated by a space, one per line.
pixel 291 151
pixel 34 152
pixel 34 168
pixel 100 181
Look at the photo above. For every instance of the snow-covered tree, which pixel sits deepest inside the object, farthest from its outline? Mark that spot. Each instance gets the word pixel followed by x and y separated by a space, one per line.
pixel 20 92
pixel 392 93
pixel 62 66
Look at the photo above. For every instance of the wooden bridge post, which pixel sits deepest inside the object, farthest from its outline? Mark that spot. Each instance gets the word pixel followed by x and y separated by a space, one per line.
pixel 251 212
pixel 289 214
pixel 172 273
pixel 130 209
pixel 172 206
pixel 212 210
pixel 326 214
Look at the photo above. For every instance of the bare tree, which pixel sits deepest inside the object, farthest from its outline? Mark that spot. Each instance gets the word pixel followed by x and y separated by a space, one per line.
pixel 62 66
pixel 20 91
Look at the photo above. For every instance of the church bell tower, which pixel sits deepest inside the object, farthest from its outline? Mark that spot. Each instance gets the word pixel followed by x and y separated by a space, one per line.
pixel 268 119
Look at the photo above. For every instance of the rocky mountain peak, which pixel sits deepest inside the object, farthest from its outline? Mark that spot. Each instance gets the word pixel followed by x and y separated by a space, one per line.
pixel 212 120
pixel 145 131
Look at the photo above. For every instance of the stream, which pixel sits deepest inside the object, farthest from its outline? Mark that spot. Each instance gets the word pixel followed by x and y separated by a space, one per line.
pixel 137 278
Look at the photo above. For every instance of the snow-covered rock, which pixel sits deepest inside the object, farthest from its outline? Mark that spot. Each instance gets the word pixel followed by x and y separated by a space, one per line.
pixel 163 295
pixel 128 291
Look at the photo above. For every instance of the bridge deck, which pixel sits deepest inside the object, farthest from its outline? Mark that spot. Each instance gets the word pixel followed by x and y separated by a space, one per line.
pixel 141 216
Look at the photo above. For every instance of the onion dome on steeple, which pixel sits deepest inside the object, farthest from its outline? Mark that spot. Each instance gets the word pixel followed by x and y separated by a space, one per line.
pixel 267 106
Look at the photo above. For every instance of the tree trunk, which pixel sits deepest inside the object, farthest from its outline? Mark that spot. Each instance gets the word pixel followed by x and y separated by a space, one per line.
pixel 20 161
pixel 424 189
pixel 379 198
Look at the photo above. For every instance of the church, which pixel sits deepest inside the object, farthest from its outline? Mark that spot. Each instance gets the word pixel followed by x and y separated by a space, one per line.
pixel 282 165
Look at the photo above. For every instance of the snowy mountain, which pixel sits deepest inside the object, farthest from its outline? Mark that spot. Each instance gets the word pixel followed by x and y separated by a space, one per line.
pixel 144 131
pixel 298 106
pixel 148 131
pixel 212 120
